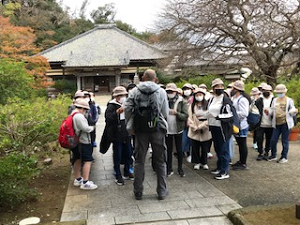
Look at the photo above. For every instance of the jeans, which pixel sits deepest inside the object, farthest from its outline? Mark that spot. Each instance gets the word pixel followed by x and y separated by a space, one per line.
pixel 159 151
pixel 178 145
pixel 285 132
pixel 120 148
pixel 198 147
pixel 261 132
pixel 186 142
pixel 221 148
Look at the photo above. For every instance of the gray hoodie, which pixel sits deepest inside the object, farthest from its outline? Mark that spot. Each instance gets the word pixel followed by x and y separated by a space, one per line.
pixel 131 102
pixel 80 123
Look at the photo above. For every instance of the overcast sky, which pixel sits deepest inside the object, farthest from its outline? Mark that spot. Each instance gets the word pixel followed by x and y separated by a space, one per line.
pixel 140 14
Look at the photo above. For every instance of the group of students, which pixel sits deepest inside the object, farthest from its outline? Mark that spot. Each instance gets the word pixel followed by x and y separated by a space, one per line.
pixel 208 118
pixel 196 120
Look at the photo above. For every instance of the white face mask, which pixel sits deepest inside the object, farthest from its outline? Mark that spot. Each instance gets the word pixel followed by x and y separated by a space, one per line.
pixel 187 92
pixel 171 95
pixel 122 99
pixel 92 99
pixel 199 98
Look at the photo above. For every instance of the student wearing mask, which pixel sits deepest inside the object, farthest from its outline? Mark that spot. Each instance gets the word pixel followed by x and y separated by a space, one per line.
pixel 116 131
pixel 241 103
pixel 220 120
pixel 282 112
pixel 177 118
pixel 255 94
pixel 265 129
pixel 198 130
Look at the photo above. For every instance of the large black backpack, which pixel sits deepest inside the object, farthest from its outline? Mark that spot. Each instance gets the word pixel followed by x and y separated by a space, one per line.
pixel 146 112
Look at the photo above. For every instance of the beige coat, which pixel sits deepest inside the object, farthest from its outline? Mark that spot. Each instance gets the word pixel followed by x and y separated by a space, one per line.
pixel 196 126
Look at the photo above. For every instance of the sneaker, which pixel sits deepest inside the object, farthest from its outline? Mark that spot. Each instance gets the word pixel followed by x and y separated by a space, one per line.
pixel 215 171
pixel 129 177
pixel 272 158
pixel 197 166
pixel 282 160
pixel 205 167
pixel 95 144
pixel 77 183
pixel 138 195
pixel 255 146
pixel 230 162
pixel 222 176
pixel 161 197
pixel 170 174
pixel 266 156
pixel 89 185
pixel 260 157
pixel 240 167
pixel 189 159
pixel 238 163
pixel 119 181
pixel 181 173
pixel 210 155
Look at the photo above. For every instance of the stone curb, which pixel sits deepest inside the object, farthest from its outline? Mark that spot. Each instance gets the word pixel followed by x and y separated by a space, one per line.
pixel 237 218
pixel 79 222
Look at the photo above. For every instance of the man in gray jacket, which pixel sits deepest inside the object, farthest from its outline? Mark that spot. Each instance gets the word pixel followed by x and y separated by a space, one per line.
pixel 155 138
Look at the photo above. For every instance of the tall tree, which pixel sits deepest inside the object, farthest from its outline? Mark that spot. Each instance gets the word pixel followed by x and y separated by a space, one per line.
pixel 265 32
pixel 17 44
pixel 104 14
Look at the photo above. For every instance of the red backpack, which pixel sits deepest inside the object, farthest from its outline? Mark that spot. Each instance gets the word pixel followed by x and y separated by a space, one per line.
pixel 67 137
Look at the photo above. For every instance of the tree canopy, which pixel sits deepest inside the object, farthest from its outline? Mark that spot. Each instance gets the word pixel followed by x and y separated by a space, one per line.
pixel 264 32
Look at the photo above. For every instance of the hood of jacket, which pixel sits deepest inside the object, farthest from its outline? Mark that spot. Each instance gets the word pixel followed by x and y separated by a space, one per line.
pixel 148 86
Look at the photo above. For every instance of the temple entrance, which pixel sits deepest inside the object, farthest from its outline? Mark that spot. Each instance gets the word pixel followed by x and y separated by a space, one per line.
pixel 101 84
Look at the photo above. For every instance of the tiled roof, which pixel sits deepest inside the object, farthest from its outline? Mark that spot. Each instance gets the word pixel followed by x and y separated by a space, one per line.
pixel 105 45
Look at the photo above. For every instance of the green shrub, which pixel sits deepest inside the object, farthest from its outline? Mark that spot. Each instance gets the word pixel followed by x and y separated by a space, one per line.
pixel 65 86
pixel 14 81
pixel 26 125
pixel 200 80
pixel 16 172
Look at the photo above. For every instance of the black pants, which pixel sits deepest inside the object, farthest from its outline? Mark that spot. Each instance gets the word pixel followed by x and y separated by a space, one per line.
pixel 199 151
pixel 261 132
pixel 254 136
pixel 178 145
pixel 243 149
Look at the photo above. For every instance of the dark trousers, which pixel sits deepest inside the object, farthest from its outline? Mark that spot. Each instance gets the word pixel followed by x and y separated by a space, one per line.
pixel 158 145
pixel 178 145
pixel 119 149
pixel 221 148
pixel 199 151
pixel 243 149
pixel 261 133
pixel 254 136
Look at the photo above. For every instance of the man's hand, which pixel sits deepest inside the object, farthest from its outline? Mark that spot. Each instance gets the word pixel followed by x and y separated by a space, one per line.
pixel 120 110
pixel 172 112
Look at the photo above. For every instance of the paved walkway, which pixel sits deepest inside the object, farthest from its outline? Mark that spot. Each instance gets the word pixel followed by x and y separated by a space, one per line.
pixel 191 199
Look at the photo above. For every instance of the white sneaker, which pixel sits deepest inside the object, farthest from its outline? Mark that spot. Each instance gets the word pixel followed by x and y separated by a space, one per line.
pixel 255 146
pixel 282 160
pixel 205 167
pixel 77 183
pixel 189 159
pixel 209 155
pixel 197 166
pixel 89 185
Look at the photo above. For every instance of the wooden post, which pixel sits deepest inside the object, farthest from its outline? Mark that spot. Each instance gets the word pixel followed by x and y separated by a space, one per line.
pixel 298 210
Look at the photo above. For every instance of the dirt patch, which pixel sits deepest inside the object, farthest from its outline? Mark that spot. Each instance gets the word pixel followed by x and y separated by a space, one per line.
pixel 275 215
pixel 52 186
